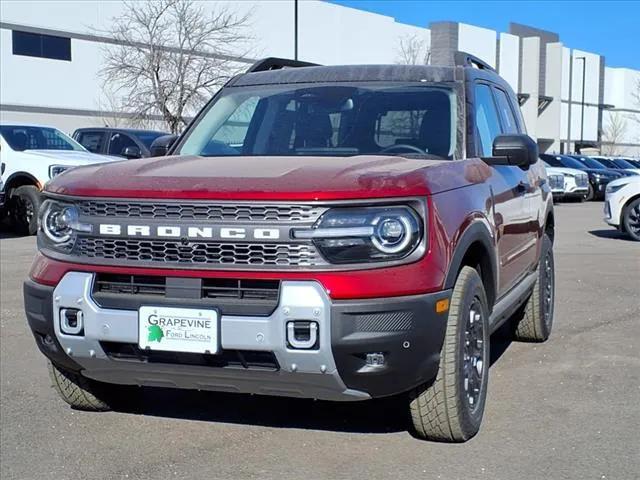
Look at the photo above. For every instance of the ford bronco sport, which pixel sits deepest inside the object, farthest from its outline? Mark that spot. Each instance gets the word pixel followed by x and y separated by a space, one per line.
pixel 328 232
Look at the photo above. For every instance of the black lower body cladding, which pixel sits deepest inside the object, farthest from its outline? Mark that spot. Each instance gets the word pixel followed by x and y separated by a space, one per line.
pixel 406 330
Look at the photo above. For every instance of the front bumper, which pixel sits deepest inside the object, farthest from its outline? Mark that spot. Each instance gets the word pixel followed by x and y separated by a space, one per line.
pixel 406 330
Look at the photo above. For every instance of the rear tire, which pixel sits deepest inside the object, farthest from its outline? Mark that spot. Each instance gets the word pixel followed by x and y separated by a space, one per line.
pixel 451 409
pixel 25 203
pixel 631 219
pixel 79 392
pixel 536 318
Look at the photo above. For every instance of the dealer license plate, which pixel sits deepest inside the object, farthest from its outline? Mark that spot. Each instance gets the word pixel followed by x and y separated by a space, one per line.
pixel 178 329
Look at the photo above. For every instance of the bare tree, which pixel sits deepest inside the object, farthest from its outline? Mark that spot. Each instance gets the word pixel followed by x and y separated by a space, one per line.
pixel 613 134
pixel 170 55
pixel 413 50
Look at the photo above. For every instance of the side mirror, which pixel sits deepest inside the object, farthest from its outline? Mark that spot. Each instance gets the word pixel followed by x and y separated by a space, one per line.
pixel 519 150
pixel 131 152
pixel 161 145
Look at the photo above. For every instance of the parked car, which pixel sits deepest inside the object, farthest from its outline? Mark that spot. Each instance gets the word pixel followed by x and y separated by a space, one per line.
pixel 617 164
pixel 352 239
pixel 31 155
pixel 119 142
pixel 622 206
pixel 575 183
pixel 632 161
pixel 598 178
pixel 591 162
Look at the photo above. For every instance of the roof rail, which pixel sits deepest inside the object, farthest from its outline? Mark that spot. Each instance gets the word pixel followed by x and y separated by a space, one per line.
pixel 272 63
pixel 464 59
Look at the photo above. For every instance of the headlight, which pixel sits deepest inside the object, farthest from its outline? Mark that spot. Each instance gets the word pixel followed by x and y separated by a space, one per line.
pixel 369 234
pixel 59 223
pixel 57 170
pixel 615 188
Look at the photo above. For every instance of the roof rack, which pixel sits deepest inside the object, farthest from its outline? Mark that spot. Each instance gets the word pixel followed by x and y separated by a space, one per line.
pixel 464 59
pixel 272 63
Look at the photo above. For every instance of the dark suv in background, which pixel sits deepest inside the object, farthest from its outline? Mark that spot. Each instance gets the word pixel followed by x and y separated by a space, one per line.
pixel 119 142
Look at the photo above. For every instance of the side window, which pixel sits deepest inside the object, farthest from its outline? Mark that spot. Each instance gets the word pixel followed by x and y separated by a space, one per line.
pixel 92 141
pixel 509 124
pixel 118 142
pixel 487 122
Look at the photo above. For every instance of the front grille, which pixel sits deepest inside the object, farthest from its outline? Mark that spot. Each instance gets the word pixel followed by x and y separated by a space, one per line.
pixel 211 288
pixel 280 254
pixel 556 181
pixel 242 359
pixel 241 289
pixel 201 211
pixel 129 284
pixel 230 296
pixel 582 180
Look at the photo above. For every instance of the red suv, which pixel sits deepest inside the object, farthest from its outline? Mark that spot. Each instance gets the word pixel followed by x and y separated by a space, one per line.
pixel 339 233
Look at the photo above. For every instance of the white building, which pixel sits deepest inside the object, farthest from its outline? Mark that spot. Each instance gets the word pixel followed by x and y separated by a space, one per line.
pixel 61 86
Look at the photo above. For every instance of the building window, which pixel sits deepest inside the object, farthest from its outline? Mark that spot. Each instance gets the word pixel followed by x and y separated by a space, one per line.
pixel 42 46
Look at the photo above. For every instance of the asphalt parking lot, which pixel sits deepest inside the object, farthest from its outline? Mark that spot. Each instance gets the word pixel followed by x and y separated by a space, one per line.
pixel 566 409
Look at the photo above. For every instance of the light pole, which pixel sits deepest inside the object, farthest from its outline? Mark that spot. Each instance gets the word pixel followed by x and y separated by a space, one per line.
pixel 295 29
pixel 584 71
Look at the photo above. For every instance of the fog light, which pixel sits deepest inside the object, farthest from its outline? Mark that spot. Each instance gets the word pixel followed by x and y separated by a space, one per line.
pixel 71 321
pixel 375 359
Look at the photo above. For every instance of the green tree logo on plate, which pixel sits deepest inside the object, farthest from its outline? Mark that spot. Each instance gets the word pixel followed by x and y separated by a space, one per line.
pixel 155 333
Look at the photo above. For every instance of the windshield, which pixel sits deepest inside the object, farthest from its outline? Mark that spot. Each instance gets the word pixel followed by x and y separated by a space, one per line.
pixel 335 120
pixel 591 163
pixel 22 138
pixel 607 163
pixel 147 138
pixel 571 163
pixel 622 163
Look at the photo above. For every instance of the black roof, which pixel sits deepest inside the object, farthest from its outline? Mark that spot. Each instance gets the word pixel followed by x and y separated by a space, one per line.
pixel 352 73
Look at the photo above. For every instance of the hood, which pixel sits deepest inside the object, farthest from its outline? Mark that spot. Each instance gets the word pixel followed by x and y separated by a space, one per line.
pixel 606 173
pixel 272 178
pixel 68 157
pixel 626 180
pixel 565 171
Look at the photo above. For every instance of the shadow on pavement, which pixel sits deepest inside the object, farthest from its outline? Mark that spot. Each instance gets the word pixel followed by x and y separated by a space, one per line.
pixel 387 415
pixel 611 233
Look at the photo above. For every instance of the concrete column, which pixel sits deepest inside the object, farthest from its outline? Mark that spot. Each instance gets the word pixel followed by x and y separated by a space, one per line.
pixel 530 83
pixel 549 121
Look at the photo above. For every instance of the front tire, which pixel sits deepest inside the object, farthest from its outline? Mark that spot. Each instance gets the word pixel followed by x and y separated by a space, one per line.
pixel 590 194
pixel 536 319
pixel 451 409
pixel 25 204
pixel 631 219
pixel 78 391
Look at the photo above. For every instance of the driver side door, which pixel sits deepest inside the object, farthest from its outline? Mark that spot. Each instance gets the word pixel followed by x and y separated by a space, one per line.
pixel 512 213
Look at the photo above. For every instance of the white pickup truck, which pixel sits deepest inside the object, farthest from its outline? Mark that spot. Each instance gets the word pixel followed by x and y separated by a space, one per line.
pixel 30 155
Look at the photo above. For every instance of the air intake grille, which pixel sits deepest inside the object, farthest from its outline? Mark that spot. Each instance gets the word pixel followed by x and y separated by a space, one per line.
pixel 281 254
pixel 202 211
pixel 582 180
pixel 240 289
pixel 556 181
